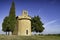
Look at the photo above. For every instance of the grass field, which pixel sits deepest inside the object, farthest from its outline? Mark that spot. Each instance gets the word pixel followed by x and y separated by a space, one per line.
pixel 5 37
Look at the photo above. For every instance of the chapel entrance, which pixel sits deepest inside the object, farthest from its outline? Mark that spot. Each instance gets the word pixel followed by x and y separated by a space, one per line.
pixel 27 32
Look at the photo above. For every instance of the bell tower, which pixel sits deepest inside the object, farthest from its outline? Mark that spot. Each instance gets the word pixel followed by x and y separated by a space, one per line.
pixel 24 24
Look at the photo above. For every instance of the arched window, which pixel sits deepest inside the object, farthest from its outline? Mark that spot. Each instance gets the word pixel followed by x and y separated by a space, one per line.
pixel 27 32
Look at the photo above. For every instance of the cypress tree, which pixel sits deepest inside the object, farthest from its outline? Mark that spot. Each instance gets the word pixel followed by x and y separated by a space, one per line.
pixel 6 25
pixel 37 24
pixel 12 17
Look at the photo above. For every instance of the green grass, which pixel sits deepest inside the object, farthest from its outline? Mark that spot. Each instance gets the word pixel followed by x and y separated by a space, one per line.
pixel 5 37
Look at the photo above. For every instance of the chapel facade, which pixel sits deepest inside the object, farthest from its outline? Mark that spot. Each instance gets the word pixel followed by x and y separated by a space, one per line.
pixel 23 27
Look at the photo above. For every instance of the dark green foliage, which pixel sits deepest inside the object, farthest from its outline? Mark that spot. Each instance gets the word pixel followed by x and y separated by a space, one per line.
pixel 12 17
pixel 5 25
pixel 37 25
pixel 9 22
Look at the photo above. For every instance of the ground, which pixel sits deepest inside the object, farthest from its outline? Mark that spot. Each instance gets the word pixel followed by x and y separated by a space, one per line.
pixel 6 37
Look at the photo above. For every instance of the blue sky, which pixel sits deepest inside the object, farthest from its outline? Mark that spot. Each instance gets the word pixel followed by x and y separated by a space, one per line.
pixel 48 10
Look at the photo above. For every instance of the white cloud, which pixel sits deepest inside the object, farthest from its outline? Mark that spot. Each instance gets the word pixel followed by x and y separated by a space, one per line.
pixel 50 22
pixel 52 27
pixel 0 25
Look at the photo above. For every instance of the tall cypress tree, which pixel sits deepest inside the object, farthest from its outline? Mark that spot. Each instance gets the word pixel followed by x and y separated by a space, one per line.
pixel 6 25
pixel 12 17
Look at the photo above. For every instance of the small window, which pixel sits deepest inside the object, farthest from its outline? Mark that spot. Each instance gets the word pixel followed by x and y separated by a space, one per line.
pixel 27 32
pixel 25 13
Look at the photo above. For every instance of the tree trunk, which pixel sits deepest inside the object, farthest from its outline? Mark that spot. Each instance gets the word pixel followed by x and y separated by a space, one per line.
pixel 6 33
pixel 12 33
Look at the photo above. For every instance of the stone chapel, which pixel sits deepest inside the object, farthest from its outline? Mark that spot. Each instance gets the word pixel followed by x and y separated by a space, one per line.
pixel 23 27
